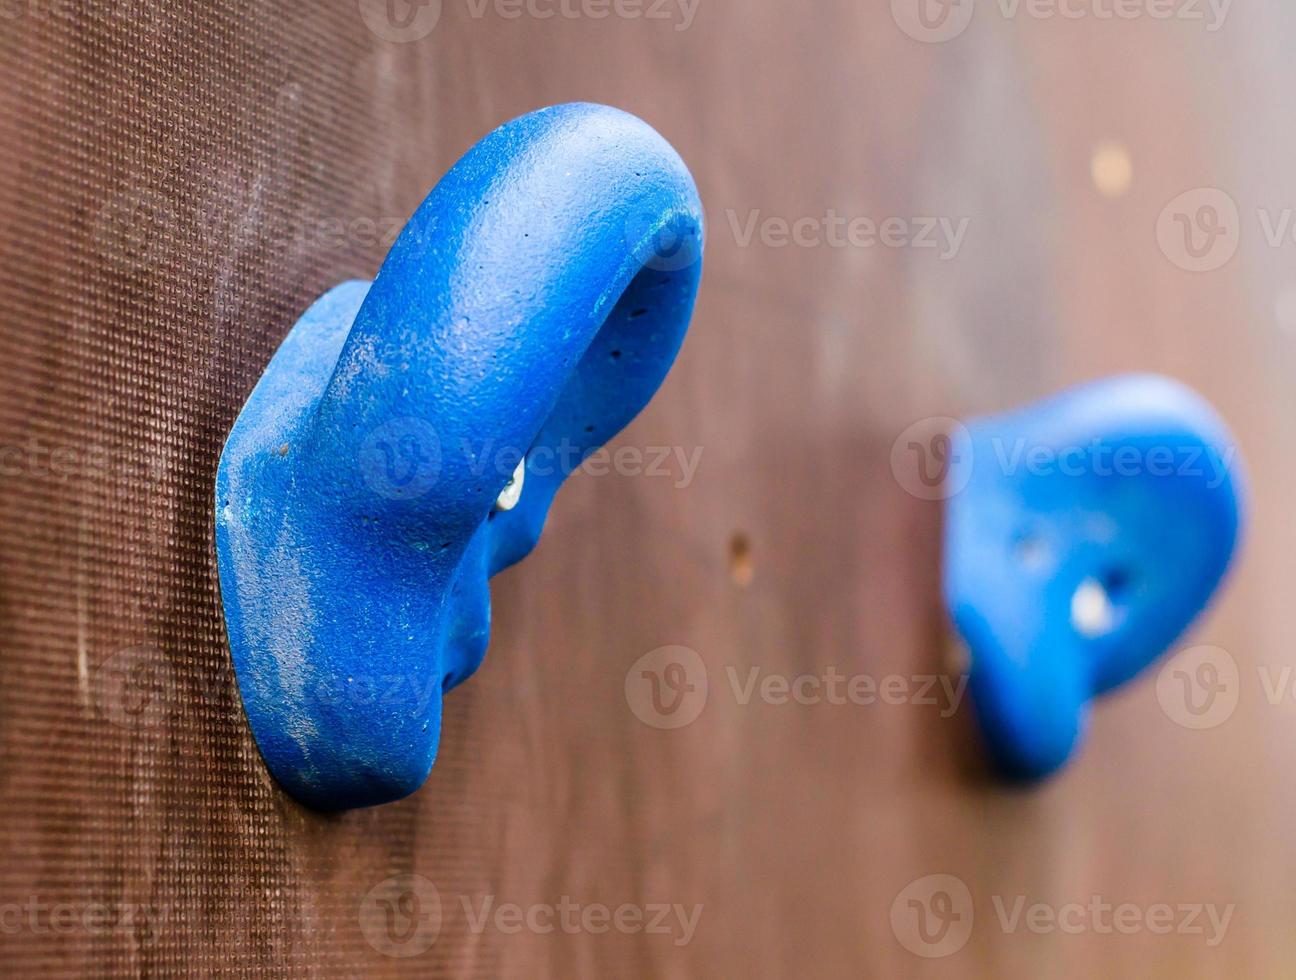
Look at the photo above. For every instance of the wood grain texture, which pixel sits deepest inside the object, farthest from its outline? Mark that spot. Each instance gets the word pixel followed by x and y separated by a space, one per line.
pixel 178 184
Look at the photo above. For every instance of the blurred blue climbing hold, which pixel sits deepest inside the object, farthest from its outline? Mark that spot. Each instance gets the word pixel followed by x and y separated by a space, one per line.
pixel 405 442
pixel 1083 534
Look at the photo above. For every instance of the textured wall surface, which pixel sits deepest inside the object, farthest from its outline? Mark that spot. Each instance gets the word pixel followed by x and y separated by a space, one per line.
pixel 178 182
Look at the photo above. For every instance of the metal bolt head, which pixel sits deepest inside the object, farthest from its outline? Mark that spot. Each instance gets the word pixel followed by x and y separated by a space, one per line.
pixel 512 492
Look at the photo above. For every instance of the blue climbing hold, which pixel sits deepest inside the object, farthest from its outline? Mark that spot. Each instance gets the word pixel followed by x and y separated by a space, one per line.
pixel 1083 534
pixel 408 437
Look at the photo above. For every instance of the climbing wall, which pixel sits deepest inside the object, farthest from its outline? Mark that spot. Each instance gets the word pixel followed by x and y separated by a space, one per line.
pixel 905 221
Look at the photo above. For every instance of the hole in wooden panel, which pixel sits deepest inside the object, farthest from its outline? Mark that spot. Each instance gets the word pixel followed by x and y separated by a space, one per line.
pixel 742 569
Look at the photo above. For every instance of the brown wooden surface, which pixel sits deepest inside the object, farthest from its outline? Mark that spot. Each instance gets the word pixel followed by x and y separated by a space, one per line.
pixel 154 164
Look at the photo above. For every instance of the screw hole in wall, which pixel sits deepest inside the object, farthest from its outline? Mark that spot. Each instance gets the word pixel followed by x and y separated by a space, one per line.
pixel 742 568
